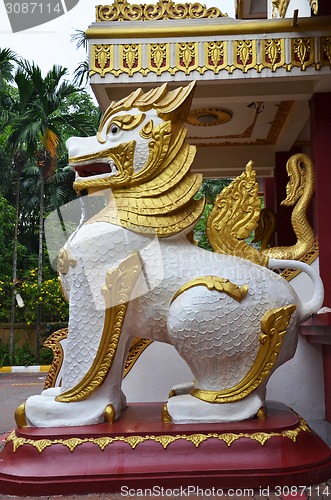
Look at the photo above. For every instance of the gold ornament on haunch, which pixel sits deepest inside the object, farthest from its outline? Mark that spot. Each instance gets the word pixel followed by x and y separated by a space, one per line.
pixel 221 285
pixel 120 282
pixel 274 324
pixel 164 440
pixel 159 198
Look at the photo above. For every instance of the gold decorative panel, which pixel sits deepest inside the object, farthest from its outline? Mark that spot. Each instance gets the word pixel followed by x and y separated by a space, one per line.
pixel 302 52
pixel 158 57
pixel 216 55
pixel 187 56
pixel 130 58
pixel 196 58
pixel 102 58
pixel 273 53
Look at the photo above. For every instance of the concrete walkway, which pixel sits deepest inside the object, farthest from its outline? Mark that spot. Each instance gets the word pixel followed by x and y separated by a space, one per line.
pixel 16 387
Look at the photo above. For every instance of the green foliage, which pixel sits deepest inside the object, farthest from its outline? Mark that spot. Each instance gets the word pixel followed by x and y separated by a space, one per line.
pixel 210 188
pixel 24 356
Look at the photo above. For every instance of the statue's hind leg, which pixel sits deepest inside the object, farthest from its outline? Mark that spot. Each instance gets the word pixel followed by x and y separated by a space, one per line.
pixel 230 356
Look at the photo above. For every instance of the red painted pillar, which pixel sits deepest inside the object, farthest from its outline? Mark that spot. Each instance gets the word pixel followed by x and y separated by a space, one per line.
pixel 269 193
pixel 324 8
pixel 320 112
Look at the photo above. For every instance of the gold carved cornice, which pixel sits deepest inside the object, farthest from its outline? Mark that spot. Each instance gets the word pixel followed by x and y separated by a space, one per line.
pixel 121 10
pixel 237 28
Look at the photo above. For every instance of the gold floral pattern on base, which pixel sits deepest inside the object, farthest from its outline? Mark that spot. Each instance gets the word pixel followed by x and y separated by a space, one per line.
pixel 164 440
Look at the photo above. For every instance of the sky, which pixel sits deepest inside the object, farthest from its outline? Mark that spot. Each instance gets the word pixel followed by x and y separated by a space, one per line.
pixel 50 44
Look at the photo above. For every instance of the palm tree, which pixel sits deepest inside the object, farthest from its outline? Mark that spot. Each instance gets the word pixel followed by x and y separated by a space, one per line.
pixel 36 128
pixel 81 74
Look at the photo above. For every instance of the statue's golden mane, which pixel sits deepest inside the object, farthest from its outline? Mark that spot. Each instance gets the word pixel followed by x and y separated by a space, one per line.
pixel 159 198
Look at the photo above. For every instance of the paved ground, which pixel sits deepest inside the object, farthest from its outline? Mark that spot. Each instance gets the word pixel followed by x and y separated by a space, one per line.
pixel 16 387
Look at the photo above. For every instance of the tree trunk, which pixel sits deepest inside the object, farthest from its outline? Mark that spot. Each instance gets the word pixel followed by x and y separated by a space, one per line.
pixel 19 162
pixel 40 255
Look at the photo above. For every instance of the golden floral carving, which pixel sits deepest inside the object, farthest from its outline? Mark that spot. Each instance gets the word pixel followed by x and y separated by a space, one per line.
pixel 121 10
pixel 164 440
pixel 245 54
pixel 158 57
pixel 234 216
pixel 215 55
pixel 302 52
pixel 102 58
pixel 130 58
pixel 187 56
pixel 273 53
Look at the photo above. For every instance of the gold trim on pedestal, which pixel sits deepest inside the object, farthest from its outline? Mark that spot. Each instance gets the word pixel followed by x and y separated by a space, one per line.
pixel 164 440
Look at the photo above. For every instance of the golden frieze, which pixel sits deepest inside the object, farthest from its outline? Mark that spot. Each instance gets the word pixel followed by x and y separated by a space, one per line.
pixel 122 10
pixel 208 117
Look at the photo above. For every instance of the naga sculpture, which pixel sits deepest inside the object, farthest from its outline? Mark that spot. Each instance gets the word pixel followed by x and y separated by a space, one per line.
pixel 131 271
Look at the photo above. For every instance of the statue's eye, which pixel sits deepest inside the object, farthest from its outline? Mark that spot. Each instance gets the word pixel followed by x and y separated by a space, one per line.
pixel 114 128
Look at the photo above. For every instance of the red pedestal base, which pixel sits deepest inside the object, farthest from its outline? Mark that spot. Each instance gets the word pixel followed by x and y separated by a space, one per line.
pixel 139 451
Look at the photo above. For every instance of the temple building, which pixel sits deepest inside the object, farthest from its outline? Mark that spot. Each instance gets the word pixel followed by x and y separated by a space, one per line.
pixel 263 93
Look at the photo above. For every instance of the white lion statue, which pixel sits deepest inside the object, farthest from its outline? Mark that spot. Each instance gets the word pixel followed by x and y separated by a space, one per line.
pixel 131 270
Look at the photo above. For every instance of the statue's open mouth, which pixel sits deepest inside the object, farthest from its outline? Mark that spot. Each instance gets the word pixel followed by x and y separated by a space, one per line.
pixel 98 169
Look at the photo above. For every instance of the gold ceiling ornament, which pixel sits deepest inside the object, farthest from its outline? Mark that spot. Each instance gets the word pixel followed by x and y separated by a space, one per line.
pixel 299 192
pixel 164 439
pixel 273 325
pixel 233 217
pixel 122 10
pixel 221 285
pixel 117 290
pixel 208 117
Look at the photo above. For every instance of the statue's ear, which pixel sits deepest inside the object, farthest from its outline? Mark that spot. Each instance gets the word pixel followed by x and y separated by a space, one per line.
pixel 176 104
